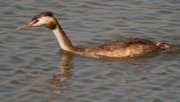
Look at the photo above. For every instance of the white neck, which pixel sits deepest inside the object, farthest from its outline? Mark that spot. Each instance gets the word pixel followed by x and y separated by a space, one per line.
pixel 63 40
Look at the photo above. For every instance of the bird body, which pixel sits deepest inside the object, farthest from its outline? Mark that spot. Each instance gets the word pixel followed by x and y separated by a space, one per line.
pixel 116 48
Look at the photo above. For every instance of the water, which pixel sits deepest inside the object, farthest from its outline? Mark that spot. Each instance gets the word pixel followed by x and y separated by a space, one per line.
pixel 33 69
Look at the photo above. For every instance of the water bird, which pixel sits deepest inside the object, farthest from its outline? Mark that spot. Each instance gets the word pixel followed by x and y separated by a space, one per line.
pixel 120 48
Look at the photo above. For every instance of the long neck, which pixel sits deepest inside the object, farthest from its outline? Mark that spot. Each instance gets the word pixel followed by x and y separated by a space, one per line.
pixel 62 38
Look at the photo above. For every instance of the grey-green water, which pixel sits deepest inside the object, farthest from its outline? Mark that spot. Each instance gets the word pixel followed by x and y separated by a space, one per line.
pixel 32 68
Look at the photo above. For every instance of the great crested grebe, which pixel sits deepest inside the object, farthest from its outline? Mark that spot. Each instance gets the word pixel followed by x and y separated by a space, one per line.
pixel 116 48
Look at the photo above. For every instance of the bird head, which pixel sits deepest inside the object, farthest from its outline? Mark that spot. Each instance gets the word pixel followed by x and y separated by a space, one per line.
pixel 43 19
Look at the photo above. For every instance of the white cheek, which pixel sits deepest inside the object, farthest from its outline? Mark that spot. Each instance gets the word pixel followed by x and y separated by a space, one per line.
pixel 42 22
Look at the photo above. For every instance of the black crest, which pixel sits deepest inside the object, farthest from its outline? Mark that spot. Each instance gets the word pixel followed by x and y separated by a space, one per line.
pixel 43 14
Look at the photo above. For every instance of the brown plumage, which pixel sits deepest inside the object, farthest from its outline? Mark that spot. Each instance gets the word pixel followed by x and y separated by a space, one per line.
pixel 122 48
pixel 115 48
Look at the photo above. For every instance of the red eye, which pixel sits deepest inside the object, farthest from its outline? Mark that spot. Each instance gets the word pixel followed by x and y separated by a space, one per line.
pixel 36 21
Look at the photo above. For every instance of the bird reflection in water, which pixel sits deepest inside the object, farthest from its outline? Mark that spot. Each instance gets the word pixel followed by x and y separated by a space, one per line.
pixel 57 83
pixel 65 66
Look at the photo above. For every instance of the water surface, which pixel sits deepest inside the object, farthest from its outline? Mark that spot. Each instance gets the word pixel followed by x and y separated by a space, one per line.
pixel 33 69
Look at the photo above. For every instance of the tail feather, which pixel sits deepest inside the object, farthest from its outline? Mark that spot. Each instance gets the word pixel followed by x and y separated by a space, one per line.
pixel 162 45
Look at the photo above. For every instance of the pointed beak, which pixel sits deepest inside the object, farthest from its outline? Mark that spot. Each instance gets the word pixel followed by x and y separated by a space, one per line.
pixel 25 26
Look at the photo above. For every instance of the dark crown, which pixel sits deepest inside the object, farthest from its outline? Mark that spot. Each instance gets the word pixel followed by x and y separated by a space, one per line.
pixel 43 14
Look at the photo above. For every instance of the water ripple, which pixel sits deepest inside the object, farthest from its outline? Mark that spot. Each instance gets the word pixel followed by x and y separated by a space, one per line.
pixel 33 69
